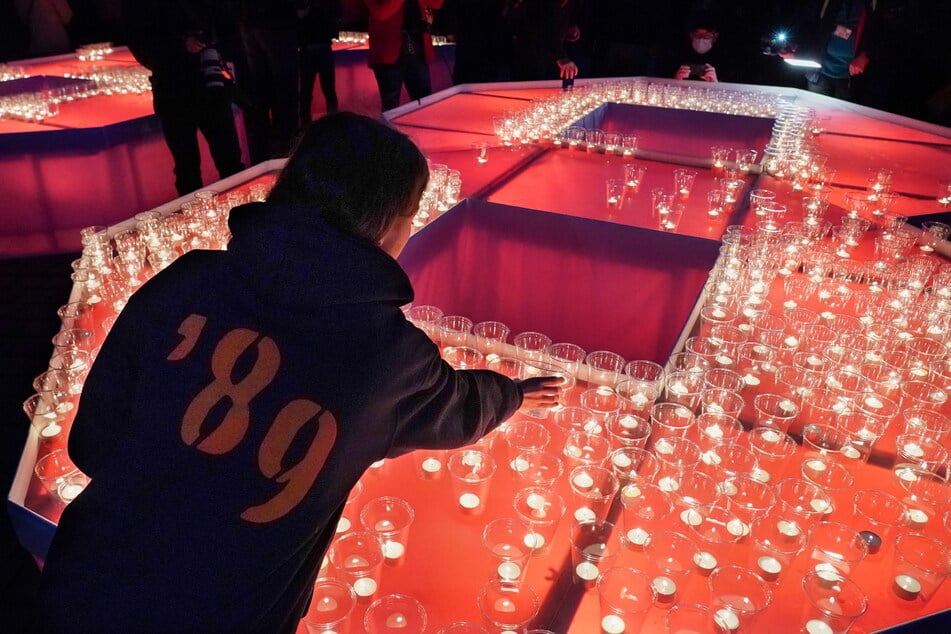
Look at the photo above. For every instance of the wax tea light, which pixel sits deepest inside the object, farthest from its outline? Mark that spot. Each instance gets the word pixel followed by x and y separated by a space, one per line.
pixel 665 587
pixel 907 587
pixel 769 567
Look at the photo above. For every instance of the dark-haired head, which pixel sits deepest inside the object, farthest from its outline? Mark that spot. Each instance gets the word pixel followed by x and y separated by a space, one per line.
pixel 357 172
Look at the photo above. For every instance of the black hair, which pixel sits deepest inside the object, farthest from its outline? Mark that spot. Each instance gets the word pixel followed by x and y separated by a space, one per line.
pixel 358 172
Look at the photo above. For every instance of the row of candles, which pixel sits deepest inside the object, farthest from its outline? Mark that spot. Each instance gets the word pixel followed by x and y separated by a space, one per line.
pixel 10 72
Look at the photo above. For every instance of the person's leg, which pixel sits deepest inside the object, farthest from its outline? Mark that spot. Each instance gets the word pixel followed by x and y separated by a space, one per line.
pixel 389 79
pixel 308 73
pixel 256 92
pixel 328 76
pixel 282 67
pixel 218 128
pixel 416 77
pixel 176 111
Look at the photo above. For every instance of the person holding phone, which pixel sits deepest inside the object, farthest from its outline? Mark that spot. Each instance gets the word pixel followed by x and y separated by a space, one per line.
pixel 699 55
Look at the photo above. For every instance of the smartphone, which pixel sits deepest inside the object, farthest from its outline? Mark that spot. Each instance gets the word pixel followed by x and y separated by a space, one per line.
pixel 697 70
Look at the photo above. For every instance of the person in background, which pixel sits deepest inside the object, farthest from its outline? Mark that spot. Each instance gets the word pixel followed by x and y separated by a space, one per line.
pixel 318 26
pixel 838 35
pixel 268 31
pixel 241 394
pixel 536 33
pixel 477 29
pixel 401 48
pixel 176 40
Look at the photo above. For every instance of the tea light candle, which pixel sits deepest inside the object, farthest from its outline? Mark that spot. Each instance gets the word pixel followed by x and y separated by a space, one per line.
pixel 711 458
pixel 668 484
pixel 815 626
pixel 874 402
pixel 678 388
pixel 51 430
pixel 907 587
pixel 663 446
pixel 612 624
pixel 343 525
pixel 509 571
pixel 816 465
pixel 819 505
pixel 326 604
pixel 760 475
pixel 771 436
pixel 665 587
pixel 583 481
pixel 737 528
pixel 470 460
pixel 790 304
pixel 534 541
pixel 714 431
pixel 504 606
pixel 469 501
pixel 584 514
pixel 691 517
pixel 727 619
pixel 917 518
pixel 622 461
pixel 631 491
pixel 827 573
pixel 536 502
pixel 913 450
pixel 850 452
pixel 69 491
pixel 724 360
pixel 769 567
pixel 587 571
pixel 638 536
pixel 393 550
pixel 384 526
pixel 788 528
pixel 705 561
pixel 364 587
pixel 431 465
pixel 787 406
pixel 396 621
pixel 751 380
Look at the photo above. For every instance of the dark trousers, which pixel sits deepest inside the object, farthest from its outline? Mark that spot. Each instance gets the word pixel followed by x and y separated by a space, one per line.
pixel 271 90
pixel 183 111
pixel 411 70
pixel 830 87
pixel 317 60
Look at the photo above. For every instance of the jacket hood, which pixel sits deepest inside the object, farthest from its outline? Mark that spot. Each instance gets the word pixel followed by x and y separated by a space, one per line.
pixel 293 259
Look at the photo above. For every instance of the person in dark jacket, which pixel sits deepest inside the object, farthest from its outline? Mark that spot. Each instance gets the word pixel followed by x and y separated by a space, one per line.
pixel 241 394
pixel 177 41
pixel 318 26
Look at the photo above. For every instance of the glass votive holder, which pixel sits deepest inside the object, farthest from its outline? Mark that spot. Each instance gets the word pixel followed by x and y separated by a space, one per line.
pixel 572 419
pixel 714 314
pixel 509 366
pixel 430 464
pixel 585 448
pixel 537 467
pixel 454 331
pixel 614 193
pixel 462 627
pixel 824 440
pixel 773 449
pixel 715 429
pixel 922 395
pixel 426 318
pixel 670 220
pixel 593 489
pixel 747 497
pixel 634 175
pixel 717 534
pixel 833 603
pixel 922 563
pixel 624 597
pixel 47 411
pixel 675 455
pixel 878 512
pixel 716 203
pixel 833 549
pixel 719 155
pixel 509 544
pixel 523 436
pixel 645 507
pixel 683 182
pixel 776 541
pixel 774 411
pixel 594 548
pixel 628 430
pixel 395 614
pixel 693 494
pixel 471 471
pixel 738 597
pixel 480 150
pixel 921 450
pixel 604 368
pixel 723 379
pixel 531 346
pixel 682 388
pixel 569 355
pixel 490 337
pixel 541 509
pixel 802 502
pixel 59 476
pixel 925 493
pixel 670 560
pixel 691 618
pixel 463 357
pixel 634 464
pixel 722 401
pixel 671 420
pixel 725 461
pixel 507 606
pixel 390 519
pixel 830 474
pixel 862 431
pixel 330 607
pixel 358 558
pixel 602 402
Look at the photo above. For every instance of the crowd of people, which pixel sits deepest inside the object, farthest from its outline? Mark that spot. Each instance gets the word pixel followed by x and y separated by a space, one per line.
pixel 887 54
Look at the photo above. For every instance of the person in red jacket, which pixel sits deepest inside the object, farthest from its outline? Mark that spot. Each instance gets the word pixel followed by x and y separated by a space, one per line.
pixel 401 48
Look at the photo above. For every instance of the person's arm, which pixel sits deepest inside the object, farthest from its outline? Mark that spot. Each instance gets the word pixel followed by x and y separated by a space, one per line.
pixel 105 407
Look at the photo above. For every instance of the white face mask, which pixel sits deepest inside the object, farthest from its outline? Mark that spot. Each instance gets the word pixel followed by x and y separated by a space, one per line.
pixel 702 45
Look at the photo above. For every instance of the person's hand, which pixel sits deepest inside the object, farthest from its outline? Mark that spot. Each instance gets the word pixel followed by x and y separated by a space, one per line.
pixel 683 72
pixel 539 392
pixel 858 64
pixel 567 69
pixel 710 74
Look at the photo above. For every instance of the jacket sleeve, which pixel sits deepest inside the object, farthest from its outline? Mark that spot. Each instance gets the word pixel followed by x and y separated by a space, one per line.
pixel 447 408
pixel 105 407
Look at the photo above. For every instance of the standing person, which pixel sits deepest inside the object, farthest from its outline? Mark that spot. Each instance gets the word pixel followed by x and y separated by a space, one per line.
pixel 269 38
pixel 537 32
pixel 401 48
pixel 176 40
pixel 837 34
pixel 241 394
pixel 318 26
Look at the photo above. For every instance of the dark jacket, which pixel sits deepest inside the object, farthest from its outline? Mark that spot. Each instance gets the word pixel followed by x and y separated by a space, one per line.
pixel 238 398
